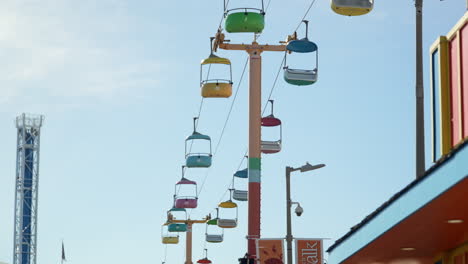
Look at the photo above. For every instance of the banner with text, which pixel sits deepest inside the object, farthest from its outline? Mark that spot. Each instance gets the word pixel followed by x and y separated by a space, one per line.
pixel 270 251
pixel 309 251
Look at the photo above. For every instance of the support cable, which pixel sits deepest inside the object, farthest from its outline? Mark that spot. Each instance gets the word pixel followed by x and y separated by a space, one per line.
pixel 235 96
pixel 306 13
pixel 263 111
pixel 224 127
pixel 230 109
pixel 225 123
pixel 165 254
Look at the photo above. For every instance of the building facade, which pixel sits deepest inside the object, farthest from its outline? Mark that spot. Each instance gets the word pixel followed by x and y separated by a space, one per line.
pixel 427 221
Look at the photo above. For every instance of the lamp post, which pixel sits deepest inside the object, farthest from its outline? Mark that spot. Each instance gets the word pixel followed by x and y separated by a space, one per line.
pixel 289 203
pixel 420 162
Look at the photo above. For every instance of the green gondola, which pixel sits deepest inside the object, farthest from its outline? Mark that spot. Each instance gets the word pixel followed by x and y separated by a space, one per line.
pixel 244 20
pixel 240 22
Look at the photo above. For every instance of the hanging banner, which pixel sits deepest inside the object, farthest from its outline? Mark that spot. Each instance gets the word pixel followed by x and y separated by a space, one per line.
pixel 270 251
pixel 309 251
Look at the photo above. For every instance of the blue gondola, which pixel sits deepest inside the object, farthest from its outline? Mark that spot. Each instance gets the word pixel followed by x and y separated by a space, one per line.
pixel 244 174
pixel 300 76
pixel 195 159
pixel 237 193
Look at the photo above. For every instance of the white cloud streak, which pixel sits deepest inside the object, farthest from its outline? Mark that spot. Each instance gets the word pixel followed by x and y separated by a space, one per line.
pixel 57 48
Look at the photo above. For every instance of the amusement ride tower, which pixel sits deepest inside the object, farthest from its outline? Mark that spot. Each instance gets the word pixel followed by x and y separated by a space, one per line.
pixel 26 190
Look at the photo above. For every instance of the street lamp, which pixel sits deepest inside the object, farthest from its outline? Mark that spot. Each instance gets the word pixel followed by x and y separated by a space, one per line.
pixel 299 210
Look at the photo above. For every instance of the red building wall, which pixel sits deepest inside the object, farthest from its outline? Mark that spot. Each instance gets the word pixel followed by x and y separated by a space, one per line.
pixel 464 77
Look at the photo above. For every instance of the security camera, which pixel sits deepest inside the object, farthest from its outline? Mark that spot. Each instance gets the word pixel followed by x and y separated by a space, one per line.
pixel 299 210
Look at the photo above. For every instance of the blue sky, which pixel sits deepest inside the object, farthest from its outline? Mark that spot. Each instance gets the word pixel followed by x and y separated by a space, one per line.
pixel 118 82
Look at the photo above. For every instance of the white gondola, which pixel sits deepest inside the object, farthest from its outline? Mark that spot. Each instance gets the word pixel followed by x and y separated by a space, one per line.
pixel 212 236
pixel 238 194
pixel 309 76
pixel 227 223
pixel 271 146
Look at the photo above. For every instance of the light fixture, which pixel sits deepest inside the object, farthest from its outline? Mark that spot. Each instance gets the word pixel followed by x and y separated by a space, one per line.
pixel 308 167
pixel 408 248
pixel 454 221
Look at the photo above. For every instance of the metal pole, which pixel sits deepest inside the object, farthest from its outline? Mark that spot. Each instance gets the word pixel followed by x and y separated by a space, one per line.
pixel 254 167
pixel 288 216
pixel 188 244
pixel 420 166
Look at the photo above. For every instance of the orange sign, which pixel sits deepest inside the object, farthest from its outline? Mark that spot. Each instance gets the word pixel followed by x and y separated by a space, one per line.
pixel 270 251
pixel 309 251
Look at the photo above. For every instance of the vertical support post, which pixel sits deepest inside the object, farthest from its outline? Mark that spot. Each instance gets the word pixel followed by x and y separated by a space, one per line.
pixel 288 216
pixel 420 162
pixel 188 244
pixel 254 167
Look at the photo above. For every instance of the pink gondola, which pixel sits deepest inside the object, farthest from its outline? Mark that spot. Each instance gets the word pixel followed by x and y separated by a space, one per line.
pixel 185 201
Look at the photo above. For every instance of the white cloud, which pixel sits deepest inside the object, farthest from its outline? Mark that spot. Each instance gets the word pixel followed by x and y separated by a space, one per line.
pixel 55 48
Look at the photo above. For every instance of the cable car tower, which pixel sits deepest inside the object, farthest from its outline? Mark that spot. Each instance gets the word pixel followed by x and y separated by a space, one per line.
pixel 188 238
pixel 26 190
pixel 251 20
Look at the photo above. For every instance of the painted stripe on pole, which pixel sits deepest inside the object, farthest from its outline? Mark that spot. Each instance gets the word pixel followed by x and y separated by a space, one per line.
pixel 254 164
pixel 254 175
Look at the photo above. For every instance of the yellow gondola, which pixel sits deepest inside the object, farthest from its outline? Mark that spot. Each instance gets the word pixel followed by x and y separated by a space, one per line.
pixel 168 237
pixel 352 7
pixel 223 221
pixel 170 240
pixel 215 87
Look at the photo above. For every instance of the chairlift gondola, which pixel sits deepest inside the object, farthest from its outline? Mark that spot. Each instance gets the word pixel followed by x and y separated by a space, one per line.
pixel 177 227
pixel 244 19
pixel 352 7
pixel 185 200
pixel 177 214
pixel 237 194
pixel 210 235
pixel 268 146
pixel 301 76
pixel 229 205
pixel 195 159
pixel 215 87
pixel 204 260
pixel 167 237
